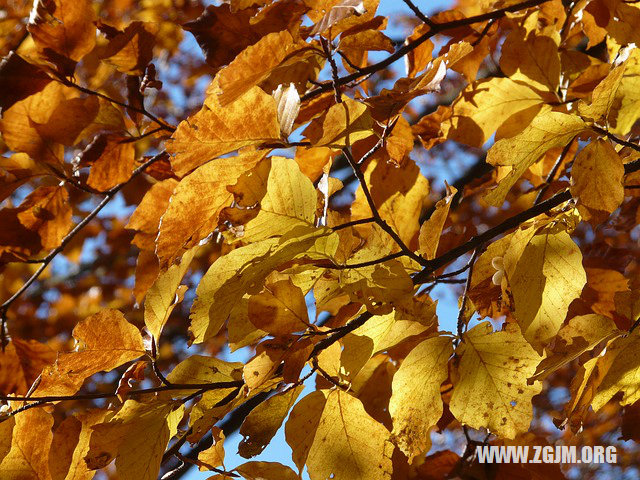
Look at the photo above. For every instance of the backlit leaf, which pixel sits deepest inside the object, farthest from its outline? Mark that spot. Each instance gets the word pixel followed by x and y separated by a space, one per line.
pixel 491 390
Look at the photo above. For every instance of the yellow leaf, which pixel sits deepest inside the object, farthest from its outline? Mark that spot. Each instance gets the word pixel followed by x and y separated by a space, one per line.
pixel 416 404
pixel 342 125
pixel 615 100
pixel 333 435
pixel 545 278
pixel 71 444
pixel 280 309
pixel 263 422
pixel 547 130
pixel 105 341
pixel 534 60
pixel 431 230
pixel 215 130
pixel 30 443
pixel 214 455
pixel 487 104
pixel 289 201
pixel 596 178
pixel 621 370
pixel 243 270
pixel 491 389
pixel 146 218
pixel 6 434
pixel 382 332
pixel 136 437
pixel 581 334
pixel 161 298
pixel 399 193
pixel 196 203
pixel 202 369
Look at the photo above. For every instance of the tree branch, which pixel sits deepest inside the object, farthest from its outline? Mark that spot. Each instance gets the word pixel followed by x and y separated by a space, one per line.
pixel 401 52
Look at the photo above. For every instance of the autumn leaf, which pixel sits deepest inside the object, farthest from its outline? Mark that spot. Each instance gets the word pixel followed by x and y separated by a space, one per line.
pixel 547 130
pixel 215 130
pixel 415 404
pixel 164 294
pixel 244 269
pixel 342 125
pixel 596 176
pixel 359 446
pixel 262 423
pixel 532 59
pixel 491 390
pixel 119 438
pixel 545 278
pixel 485 105
pixel 195 206
pixel 431 230
pixel 30 443
pixel 105 341
pixel 64 26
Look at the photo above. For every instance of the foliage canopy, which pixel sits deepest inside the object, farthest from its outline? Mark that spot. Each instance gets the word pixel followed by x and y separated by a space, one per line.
pixel 279 193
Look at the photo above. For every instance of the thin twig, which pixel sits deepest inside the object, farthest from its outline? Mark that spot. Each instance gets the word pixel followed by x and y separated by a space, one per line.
pixel 327 47
pixel 150 116
pixel 374 210
pixel 426 20
pixel 392 256
pixel 465 294
pixel 353 223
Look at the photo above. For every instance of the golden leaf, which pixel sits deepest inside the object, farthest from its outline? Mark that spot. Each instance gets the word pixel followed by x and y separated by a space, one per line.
pixel 416 404
pixel 431 230
pixel 105 341
pixel 491 389
pixel 215 130
pixel 545 277
pixel 547 130
pixel 30 443
pixel 485 105
pixel 196 203
pixel 342 125
pixel 243 270
pixel 47 211
pixel 534 60
pixel 596 178
pixel 263 422
pixel 136 437
pixel 64 26
pixel 162 296
pixel 332 434
pixel 279 309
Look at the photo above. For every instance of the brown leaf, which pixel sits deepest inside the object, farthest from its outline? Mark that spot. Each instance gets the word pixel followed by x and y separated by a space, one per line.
pixel 64 26
pixel 111 159
pixel 132 50
pixel 47 211
pixel 19 79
